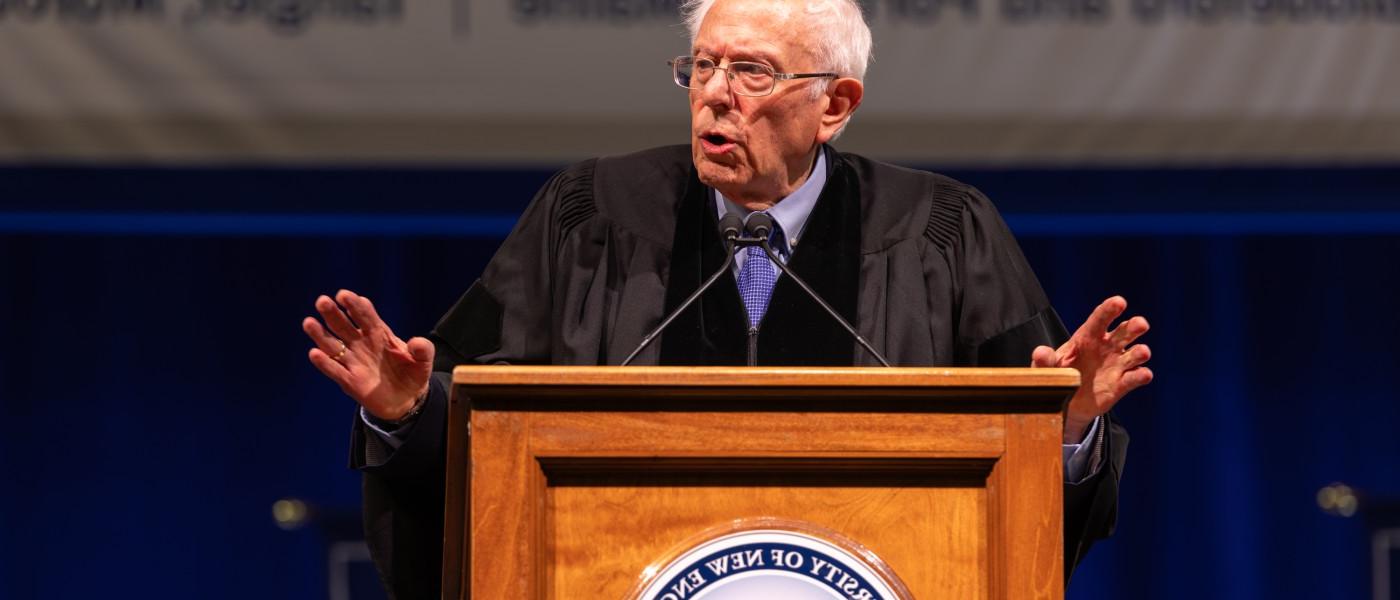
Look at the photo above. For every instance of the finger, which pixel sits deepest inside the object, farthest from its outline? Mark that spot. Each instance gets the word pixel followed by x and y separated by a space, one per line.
pixel 1134 379
pixel 1128 331
pixel 330 368
pixel 1044 357
pixel 326 342
pixel 361 310
pixel 421 349
pixel 336 319
pixel 1135 356
pixel 1098 321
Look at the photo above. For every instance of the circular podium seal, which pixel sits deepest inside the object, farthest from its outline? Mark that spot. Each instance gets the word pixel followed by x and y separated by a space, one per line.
pixel 770 558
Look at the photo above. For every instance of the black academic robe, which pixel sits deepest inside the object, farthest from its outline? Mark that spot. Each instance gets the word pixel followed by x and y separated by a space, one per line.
pixel 922 265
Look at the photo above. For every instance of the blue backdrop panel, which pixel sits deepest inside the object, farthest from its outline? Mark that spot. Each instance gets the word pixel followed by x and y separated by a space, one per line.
pixel 158 399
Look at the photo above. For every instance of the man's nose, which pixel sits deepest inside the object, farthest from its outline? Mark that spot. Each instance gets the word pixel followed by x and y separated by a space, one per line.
pixel 716 92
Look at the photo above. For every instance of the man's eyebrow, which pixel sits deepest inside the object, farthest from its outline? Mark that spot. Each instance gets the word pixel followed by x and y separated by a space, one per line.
pixel 743 54
pixel 756 55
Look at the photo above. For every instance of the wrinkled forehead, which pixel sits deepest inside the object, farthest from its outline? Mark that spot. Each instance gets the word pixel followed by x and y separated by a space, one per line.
pixel 778 32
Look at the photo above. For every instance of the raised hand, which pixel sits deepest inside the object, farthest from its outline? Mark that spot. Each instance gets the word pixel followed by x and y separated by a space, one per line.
pixel 1109 364
pixel 383 373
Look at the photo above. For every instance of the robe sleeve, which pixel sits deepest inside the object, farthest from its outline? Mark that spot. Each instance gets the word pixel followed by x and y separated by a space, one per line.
pixel 1001 315
pixel 1091 506
pixel 506 316
pixel 503 317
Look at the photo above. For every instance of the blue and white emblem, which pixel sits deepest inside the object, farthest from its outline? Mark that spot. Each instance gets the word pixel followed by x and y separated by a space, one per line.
pixel 770 563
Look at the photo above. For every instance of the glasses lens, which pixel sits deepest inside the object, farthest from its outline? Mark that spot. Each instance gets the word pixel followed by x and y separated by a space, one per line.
pixel 751 79
pixel 683 67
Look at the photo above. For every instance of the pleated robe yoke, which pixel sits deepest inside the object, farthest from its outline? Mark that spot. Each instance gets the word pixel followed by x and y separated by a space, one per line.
pixel 795 331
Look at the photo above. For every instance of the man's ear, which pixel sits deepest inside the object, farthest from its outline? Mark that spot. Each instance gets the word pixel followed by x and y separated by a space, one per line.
pixel 843 98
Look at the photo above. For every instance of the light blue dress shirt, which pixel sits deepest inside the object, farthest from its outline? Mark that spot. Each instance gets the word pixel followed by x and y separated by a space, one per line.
pixel 790 213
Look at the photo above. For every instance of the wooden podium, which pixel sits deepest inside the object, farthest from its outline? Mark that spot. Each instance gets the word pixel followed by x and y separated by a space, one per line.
pixel 574 480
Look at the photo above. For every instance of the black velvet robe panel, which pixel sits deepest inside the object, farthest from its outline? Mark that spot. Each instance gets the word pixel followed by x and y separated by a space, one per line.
pixel 921 264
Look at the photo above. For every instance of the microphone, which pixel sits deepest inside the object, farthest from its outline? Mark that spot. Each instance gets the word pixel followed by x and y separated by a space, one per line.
pixel 729 227
pixel 759 227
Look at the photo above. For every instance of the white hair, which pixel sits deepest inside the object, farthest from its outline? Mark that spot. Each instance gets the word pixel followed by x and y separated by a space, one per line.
pixel 843 40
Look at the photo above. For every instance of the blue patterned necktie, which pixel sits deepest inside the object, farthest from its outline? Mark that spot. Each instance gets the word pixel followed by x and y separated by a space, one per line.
pixel 756 280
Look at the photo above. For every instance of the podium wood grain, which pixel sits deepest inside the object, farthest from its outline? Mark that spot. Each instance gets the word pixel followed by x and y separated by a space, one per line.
pixel 580 478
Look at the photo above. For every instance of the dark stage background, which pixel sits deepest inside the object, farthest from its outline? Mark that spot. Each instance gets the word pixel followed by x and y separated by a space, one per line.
pixel 157 399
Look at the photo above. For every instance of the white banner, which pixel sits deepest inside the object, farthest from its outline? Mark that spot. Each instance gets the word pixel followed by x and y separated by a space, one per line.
pixel 547 80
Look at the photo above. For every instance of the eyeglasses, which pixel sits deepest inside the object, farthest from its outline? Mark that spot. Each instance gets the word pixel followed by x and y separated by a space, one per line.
pixel 745 78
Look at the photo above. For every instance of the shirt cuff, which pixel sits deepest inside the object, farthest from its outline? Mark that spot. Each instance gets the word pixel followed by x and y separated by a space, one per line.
pixel 391 435
pixel 1077 457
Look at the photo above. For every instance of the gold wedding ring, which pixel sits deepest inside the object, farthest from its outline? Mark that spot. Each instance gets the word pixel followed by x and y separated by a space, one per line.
pixel 341 354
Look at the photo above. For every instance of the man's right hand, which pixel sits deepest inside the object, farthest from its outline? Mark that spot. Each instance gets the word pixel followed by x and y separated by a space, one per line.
pixel 385 374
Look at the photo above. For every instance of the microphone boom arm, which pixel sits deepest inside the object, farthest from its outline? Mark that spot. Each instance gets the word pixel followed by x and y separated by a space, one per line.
pixel 773 256
pixel 646 341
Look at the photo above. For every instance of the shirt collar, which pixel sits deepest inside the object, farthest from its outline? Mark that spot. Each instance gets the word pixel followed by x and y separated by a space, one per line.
pixel 791 212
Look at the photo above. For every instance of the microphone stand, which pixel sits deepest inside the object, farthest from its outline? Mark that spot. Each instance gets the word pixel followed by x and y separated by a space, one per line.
pixel 757 236
pixel 753 331
pixel 731 235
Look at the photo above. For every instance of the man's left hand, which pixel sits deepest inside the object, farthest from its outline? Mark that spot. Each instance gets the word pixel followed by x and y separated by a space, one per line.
pixel 1109 364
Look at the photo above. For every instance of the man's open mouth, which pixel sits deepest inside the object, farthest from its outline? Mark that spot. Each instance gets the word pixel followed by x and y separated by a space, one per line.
pixel 716 143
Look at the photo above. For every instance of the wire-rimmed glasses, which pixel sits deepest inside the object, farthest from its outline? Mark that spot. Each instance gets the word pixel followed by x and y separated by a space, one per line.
pixel 745 78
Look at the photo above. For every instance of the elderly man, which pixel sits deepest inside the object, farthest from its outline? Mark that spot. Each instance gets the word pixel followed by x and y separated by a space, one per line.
pixel 922 264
